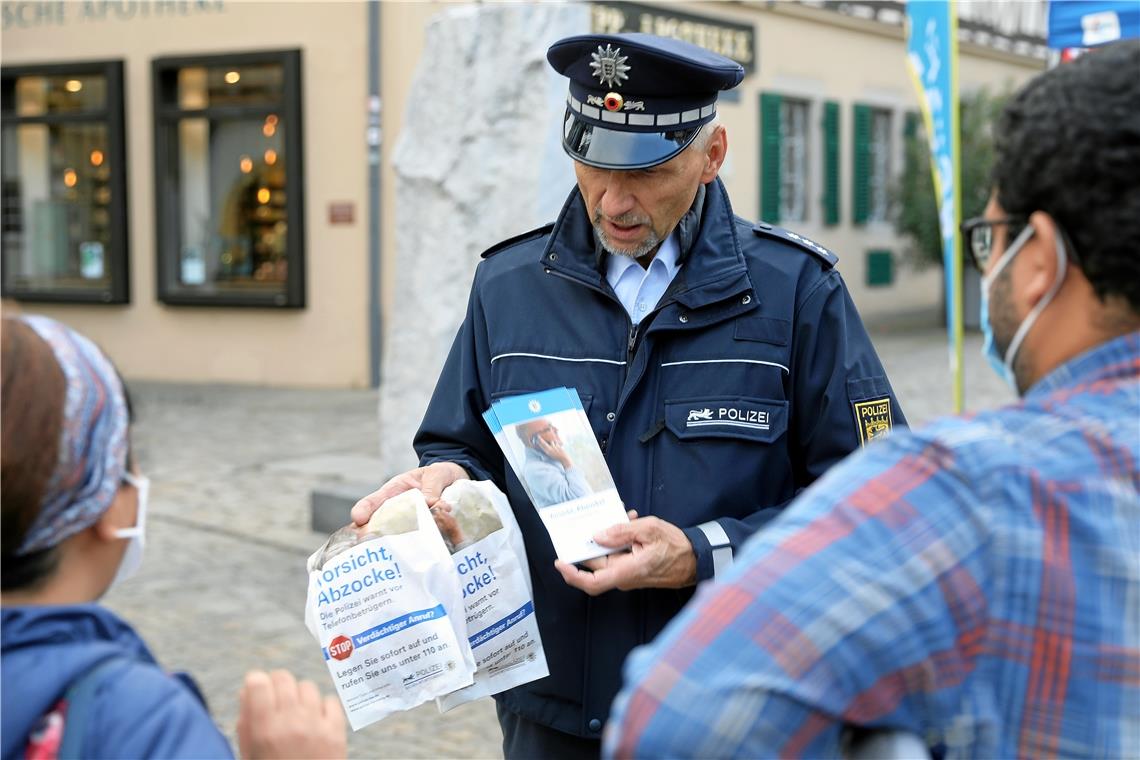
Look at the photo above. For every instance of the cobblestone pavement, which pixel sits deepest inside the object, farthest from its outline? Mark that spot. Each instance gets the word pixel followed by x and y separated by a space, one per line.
pixel 222 588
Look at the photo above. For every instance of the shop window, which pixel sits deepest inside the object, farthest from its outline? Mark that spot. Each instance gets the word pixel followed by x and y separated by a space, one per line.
pixel 63 196
pixel 784 158
pixel 872 174
pixel 228 179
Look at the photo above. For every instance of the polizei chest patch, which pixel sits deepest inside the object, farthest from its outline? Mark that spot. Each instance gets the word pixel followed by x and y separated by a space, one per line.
pixel 872 418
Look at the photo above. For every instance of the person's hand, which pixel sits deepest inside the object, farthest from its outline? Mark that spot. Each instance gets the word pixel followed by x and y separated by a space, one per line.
pixel 554 450
pixel 660 556
pixel 447 524
pixel 281 718
pixel 430 480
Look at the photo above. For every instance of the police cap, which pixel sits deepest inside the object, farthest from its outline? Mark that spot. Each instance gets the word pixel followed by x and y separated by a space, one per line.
pixel 637 100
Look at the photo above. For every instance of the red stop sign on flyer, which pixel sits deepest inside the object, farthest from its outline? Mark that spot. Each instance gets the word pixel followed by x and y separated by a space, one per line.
pixel 340 648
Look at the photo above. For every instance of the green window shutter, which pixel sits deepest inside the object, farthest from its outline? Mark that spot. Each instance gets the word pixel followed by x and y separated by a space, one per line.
pixel 770 157
pixel 911 124
pixel 831 162
pixel 861 168
pixel 880 268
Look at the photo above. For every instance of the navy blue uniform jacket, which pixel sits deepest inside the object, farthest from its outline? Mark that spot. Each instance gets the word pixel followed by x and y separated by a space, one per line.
pixel 750 379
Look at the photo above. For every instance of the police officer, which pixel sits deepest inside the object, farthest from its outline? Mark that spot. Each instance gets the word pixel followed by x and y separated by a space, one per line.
pixel 722 365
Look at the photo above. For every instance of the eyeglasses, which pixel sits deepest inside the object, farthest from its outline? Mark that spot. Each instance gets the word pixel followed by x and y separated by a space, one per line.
pixel 978 237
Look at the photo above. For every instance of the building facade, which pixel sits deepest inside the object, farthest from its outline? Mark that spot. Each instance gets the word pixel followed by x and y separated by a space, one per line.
pixel 207 187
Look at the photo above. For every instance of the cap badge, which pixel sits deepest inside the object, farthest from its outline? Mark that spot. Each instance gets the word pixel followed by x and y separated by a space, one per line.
pixel 614 101
pixel 609 66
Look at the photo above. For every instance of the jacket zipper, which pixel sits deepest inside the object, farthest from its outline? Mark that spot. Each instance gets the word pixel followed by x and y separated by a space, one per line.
pixel 631 346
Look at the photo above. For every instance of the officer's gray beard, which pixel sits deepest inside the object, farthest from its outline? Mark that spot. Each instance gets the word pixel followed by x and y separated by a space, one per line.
pixel 650 243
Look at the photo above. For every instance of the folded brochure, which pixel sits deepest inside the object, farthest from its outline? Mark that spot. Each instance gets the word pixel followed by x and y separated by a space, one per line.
pixel 548 442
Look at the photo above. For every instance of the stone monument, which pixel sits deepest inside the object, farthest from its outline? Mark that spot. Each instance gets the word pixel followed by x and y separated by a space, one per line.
pixel 477 160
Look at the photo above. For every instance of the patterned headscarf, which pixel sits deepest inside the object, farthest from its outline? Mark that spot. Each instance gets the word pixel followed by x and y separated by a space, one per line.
pixel 92 443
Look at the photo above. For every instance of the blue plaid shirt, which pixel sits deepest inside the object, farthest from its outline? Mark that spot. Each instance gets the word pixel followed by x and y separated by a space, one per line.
pixel 976 582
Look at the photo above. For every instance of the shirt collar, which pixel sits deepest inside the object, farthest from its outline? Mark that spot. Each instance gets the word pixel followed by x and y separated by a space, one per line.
pixel 667 255
pixel 1119 357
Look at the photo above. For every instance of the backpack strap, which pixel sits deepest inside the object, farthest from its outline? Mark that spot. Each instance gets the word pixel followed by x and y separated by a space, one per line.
pixel 80 698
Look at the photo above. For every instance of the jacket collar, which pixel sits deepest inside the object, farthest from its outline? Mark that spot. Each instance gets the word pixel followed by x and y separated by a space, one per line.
pixel 1112 360
pixel 713 268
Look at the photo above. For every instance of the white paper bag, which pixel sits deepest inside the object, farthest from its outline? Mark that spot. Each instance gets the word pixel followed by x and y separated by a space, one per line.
pixel 387 610
pixel 495 582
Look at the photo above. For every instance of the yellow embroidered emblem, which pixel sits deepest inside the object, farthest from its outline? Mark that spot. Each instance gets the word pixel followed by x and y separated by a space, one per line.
pixel 873 419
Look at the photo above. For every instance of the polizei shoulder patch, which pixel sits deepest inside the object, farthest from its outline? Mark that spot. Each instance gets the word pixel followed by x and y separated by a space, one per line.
pixel 872 418
pixel 537 232
pixel 763 229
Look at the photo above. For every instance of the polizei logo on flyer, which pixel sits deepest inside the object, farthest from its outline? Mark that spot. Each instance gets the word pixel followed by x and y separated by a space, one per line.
pixel 341 580
pixel 728 415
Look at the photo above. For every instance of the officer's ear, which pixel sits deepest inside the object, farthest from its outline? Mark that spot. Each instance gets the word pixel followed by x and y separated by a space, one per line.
pixel 715 152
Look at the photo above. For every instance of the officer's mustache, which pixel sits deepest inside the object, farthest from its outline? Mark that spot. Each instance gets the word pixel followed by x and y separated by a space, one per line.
pixel 628 219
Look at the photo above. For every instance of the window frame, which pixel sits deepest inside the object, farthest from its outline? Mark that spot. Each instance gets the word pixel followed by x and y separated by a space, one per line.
pixel 774 106
pixel 168 224
pixel 787 103
pixel 886 152
pixel 113 115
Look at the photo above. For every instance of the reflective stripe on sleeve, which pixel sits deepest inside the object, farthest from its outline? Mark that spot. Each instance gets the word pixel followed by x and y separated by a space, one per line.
pixel 722 560
pixel 721 546
pixel 714 532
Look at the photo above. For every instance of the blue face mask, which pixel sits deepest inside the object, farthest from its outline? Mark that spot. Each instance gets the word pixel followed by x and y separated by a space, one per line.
pixel 1003 365
pixel 989 347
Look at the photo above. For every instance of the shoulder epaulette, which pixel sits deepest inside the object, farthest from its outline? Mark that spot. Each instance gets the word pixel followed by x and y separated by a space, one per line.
pixel 537 232
pixel 829 259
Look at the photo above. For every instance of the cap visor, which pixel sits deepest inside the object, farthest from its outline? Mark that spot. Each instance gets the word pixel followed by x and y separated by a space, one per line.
pixel 610 149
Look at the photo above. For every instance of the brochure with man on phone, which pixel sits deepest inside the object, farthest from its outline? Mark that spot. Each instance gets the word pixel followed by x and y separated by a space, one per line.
pixel 547 439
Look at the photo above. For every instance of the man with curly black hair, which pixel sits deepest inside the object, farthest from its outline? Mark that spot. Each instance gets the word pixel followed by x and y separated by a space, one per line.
pixel 1065 180
pixel 975 583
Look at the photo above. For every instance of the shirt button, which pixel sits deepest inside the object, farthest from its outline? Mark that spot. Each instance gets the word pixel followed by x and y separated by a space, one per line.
pixel 746 300
pixel 553 257
pixel 611 416
pixel 641 305
pixel 684 318
pixel 595 725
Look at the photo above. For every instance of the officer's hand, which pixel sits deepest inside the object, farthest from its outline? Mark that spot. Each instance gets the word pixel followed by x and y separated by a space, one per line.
pixel 281 718
pixel 431 480
pixel 660 556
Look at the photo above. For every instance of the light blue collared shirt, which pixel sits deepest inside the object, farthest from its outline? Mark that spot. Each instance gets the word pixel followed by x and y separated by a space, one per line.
pixel 639 289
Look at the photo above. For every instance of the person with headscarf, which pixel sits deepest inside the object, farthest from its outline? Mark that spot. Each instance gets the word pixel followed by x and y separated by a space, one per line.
pixel 73 526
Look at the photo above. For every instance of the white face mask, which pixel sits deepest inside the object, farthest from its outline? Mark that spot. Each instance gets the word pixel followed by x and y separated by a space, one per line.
pixel 132 557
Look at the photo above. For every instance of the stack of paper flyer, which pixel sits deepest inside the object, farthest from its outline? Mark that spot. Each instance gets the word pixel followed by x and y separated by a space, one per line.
pixel 547 439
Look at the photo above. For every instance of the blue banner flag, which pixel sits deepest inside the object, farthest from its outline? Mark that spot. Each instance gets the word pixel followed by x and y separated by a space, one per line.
pixel 1088 23
pixel 932 57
